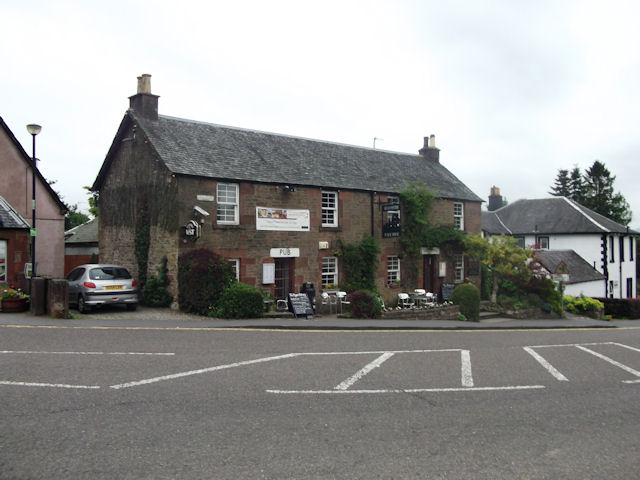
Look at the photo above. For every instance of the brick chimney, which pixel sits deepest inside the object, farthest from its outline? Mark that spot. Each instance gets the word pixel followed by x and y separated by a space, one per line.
pixel 495 199
pixel 429 150
pixel 143 102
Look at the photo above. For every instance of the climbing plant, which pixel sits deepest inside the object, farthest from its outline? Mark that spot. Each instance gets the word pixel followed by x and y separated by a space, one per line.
pixel 417 203
pixel 359 263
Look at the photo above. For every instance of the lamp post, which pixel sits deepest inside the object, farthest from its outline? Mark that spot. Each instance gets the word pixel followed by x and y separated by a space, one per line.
pixel 34 130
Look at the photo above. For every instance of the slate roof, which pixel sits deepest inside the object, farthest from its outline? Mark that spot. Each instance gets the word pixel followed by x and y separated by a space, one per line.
pixel 10 218
pixel 579 269
pixel 201 149
pixel 85 233
pixel 555 215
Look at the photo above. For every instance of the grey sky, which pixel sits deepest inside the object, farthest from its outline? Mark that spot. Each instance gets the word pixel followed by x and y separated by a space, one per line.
pixel 513 90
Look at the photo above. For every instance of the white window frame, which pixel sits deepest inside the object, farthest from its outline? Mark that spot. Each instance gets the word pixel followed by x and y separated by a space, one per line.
pixel 235 266
pixel 329 271
pixel 225 204
pixel 458 268
pixel 612 251
pixel 458 215
pixel 4 263
pixel 393 269
pixel 543 242
pixel 329 208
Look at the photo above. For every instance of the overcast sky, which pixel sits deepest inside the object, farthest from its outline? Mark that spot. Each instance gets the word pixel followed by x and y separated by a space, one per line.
pixel 513 90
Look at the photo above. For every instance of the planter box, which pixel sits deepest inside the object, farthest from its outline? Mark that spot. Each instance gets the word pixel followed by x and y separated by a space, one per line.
pixel 10 305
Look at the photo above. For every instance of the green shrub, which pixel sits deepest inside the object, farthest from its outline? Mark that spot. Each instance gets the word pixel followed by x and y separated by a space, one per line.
pixel 365 304
pixel 202 277
pixel 154 292
pixel 240 301
pixel 582 304
pixel 467 296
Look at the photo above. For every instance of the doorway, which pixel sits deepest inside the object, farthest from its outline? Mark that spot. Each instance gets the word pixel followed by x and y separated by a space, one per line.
pixel 429 273
pixel 283 277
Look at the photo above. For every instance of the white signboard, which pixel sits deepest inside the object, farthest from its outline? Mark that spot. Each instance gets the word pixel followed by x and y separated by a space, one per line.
pixel 268 273
pixel 284 252
pixel 282 219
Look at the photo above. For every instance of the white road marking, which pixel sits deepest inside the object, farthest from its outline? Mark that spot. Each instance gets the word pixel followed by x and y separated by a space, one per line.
pixel 410 390
pixel 361 373
pixel 465 361
pixel 610 360
pixel 547 366
pixel 200 371
pixel 626 346
pixel 86 353
pixel 53 385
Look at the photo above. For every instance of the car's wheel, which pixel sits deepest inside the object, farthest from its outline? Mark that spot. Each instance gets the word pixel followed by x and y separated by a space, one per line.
pixel 82 307
pixel 132 306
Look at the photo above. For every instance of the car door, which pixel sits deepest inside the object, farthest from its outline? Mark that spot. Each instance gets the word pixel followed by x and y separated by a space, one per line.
pixel 74 278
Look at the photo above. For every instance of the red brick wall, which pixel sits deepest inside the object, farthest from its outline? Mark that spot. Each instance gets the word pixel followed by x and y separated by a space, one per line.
pixel 17 255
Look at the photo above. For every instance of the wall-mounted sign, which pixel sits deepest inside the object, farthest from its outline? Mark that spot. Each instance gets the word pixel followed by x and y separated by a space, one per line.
pixel 205 198
pixel 284 252
pixel 323 245
pixel 282 219
pixel 192 231
pixel 268 273
pixel 430 251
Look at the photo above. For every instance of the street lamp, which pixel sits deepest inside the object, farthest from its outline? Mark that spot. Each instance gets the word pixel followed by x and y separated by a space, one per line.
pixel 34 130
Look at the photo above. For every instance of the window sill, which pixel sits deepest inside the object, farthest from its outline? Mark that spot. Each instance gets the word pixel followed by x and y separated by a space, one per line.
pixel 330 229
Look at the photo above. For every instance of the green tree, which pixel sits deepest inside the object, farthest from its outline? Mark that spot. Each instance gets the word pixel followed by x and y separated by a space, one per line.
pixel 594 189
pixel 93 201
pixel 74 217
pixel 599 194
pixel 502 255
pixel 560 186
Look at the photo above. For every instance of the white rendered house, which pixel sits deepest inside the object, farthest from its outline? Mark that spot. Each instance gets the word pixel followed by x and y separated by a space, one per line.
pixel 560 224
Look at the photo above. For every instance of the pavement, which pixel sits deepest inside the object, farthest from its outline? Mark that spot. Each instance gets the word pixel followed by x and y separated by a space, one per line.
pixel 165 318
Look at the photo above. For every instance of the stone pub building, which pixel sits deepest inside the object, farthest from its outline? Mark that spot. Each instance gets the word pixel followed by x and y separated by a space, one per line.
pixel 275 206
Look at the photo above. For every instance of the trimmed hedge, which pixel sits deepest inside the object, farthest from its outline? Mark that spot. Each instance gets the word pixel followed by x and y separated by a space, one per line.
pixel 240 301
pixel 467 297
pixel 621 307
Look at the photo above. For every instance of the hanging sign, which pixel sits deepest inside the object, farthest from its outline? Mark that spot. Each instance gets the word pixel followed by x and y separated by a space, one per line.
pixel 192 230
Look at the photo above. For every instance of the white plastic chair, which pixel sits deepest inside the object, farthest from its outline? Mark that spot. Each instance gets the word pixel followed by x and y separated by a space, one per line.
pixel 405 301
pixel 341 299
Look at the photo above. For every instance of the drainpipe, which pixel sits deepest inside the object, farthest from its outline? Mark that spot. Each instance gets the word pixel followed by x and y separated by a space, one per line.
pixel 372 215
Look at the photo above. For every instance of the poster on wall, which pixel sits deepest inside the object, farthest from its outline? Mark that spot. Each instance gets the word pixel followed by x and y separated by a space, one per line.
pixel 282 219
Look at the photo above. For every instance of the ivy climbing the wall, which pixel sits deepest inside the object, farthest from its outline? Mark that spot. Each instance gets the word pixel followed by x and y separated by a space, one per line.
pixel 360 262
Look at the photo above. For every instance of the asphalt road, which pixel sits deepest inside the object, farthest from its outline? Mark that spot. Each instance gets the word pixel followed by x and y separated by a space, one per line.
pixel 214 404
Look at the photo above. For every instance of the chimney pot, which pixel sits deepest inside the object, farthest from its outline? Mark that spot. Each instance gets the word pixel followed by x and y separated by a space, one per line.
pixel 144 83
pixel 429 150
pixel 432 141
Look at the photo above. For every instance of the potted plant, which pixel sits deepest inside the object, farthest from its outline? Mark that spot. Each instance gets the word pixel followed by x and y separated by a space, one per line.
pixel 13 300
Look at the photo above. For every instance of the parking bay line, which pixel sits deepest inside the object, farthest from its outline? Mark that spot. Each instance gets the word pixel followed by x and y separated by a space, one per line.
pixel 35 352
pixel 50 385
pixel 410 390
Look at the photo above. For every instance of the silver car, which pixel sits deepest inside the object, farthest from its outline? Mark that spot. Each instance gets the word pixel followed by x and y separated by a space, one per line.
pixel 95 285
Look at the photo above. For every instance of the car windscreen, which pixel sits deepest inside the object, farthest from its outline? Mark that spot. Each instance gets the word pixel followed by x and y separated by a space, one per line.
pixel 109 273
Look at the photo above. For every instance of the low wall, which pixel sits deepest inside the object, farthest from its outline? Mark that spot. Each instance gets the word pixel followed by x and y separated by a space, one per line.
pixel 447 312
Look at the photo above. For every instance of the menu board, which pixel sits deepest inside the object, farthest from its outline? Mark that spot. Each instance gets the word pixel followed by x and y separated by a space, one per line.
pixel 300 304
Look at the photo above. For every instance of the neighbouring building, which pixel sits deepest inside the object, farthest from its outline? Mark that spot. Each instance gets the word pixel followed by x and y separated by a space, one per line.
pixel 16 189
pixel 560 224
pixel 81 245
pixel 275 206
pixel 14 245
